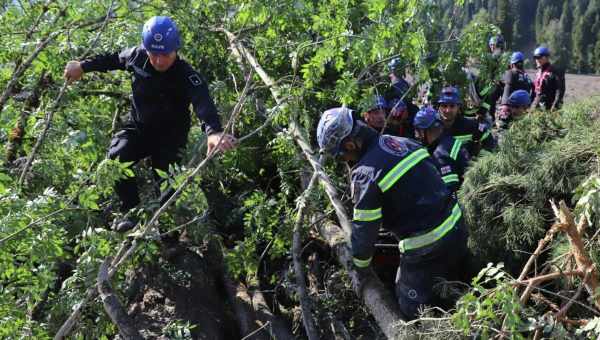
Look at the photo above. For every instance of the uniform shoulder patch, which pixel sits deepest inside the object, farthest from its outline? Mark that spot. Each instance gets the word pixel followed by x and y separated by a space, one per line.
pixel 446 170
pixel 392 145
pixel 195 79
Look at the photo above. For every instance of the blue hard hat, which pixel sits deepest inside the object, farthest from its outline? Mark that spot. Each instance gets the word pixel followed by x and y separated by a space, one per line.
pixel 379 103
pixel 394 64
pixel 427 117
pixel 335 125
pixel 541 52
pixel 398 104
pixel 160 35
pixel 496 40
pixel 517 57
pixel 519 98
pixel 449 95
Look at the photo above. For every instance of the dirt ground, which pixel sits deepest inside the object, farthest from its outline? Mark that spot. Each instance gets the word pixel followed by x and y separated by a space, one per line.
pixel 578 86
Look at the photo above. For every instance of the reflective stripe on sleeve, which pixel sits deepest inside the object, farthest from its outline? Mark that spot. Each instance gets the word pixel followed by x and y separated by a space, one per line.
pixel 455 149
pixel 367 215
pixel 361 263
pixel 434 235
pixel 464 138
pixel 450 178
pixel 402 168
pixel 486 135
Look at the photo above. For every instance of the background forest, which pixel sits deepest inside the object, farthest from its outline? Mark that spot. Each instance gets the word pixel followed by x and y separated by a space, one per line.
pixel 570 28
pixel 253 244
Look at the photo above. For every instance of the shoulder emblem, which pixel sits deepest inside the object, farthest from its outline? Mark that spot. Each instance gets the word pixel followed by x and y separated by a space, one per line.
pixel 392 145
pixel 195 80
pixel 446 170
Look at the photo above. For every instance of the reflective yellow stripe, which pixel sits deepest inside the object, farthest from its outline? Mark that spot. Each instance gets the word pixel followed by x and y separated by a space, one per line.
pixel 464 138
pixel 455 149
pixel 367 215
pixel 434 235
pixel 401 168
pixel 486 135
pixel 450 178
pixel 361 263
pixel 486 90
pixel 486 106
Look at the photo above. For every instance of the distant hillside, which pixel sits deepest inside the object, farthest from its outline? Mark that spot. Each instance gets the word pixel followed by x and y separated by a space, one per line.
pixel 570 28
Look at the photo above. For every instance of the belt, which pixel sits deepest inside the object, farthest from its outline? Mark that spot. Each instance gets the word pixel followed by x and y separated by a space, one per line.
pixel 433 235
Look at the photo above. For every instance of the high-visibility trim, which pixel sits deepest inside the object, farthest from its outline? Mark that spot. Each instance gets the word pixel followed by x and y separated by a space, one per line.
pixel 450 178
pixel 434 235
pixel 367 215
pixel 401 168
pixel 455 149
pixel 464 138
pixel 486 106
pixel 486 90
pixel 486 135
pixel 361 263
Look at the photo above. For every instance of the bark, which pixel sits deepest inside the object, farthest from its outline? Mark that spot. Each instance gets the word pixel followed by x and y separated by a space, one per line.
pixel 380 301
pixel 242 307
pixel 113 306
pixel 18 133
pixel 305 302
pixel 584 263
pixel 276 326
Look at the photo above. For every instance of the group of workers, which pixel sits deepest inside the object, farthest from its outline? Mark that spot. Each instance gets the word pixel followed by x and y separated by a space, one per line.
pixel 407 162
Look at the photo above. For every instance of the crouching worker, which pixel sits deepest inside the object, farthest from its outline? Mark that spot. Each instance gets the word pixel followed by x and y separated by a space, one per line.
pixel 451 157
pixel 396 184
pixel 163 87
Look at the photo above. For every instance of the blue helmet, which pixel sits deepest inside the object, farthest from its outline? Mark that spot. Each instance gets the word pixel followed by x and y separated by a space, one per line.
pixel 379 103
pixel 335 125
pixel 160 35
pixel 517 57
pixel 541 52
pixel 395 65
pixel 398 104
pixel 519 98
pixel 449 95
pixel 426 118
pixel 496 40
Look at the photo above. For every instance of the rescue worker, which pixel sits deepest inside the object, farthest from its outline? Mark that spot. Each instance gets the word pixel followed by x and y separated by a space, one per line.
pixel 472 133
pixel 163 87
pixel 492 70
pixel 399 87
pixel 396 184
pixel 376 114
pixel 549 84
pixel 516 78
pixel 513 108
pixel 399 121
pixel 450 155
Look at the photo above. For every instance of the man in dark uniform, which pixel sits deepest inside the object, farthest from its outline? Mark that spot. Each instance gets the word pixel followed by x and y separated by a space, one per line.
pixel 516 78
pixel 396 183
pixel 450 155
pixel 163 87
pixel 472 133
pixel 549 84
pixel 399 89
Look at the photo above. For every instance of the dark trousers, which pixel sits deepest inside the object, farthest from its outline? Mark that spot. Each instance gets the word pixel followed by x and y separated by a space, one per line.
pixel 421 269
pixel 132 145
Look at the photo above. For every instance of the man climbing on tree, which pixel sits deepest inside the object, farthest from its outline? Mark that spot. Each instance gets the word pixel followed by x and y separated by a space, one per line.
pixel 492 70
pixel 396 184
pixel 163 86
pixel 450 155
pixel 549 84
pixel 472 133
pixel 516 78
